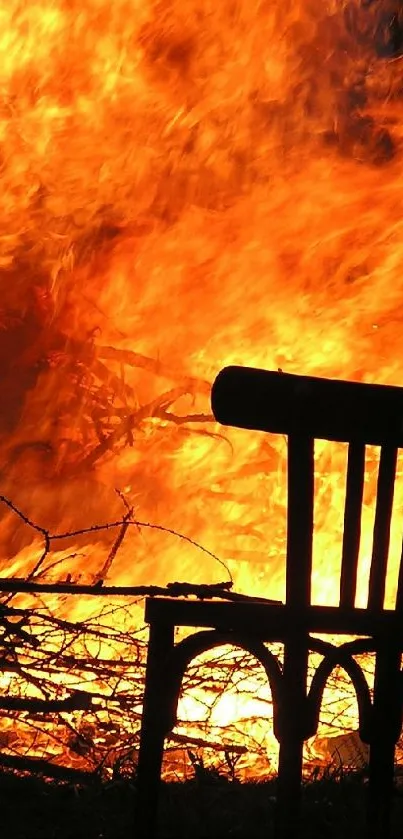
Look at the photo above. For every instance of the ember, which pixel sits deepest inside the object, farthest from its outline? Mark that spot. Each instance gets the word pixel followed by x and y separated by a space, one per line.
pixel 184 186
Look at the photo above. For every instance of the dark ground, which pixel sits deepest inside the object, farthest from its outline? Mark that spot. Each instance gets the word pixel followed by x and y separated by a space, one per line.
pixel 201 809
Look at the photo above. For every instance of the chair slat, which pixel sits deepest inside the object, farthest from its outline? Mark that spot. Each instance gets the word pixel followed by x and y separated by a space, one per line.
pixel 299 519
pixel 383 515
pixel 352 523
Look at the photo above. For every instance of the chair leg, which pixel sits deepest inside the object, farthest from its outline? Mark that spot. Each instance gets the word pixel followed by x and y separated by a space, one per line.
pixel 292 734
pixel 154 729
pixel 289 788
pixel 386 727
pixel 380 788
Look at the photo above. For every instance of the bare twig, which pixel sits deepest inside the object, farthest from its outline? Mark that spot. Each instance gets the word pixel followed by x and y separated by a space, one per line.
pixel 202 743
pixel 49 537
pixel 103 573
pixel 135 359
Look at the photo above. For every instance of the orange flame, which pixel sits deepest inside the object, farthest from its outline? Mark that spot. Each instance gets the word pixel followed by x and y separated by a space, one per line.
pixel 184 186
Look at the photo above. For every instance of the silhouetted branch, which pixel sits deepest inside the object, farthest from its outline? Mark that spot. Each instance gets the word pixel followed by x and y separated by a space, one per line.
pixel 38 766
pixel 204 743
pixel 79 701
pixel 201 591
pixel 49 537
pixel 88 674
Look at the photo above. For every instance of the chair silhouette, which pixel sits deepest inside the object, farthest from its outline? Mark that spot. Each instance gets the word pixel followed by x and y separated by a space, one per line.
pixel 304 409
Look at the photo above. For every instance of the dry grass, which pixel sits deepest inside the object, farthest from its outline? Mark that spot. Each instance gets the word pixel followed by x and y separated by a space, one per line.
pixel 207 806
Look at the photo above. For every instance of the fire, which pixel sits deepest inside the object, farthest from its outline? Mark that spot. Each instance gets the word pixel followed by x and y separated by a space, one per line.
pixel 184 186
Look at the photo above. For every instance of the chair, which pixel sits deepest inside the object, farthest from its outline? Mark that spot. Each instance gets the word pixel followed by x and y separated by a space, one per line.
pixel 302 408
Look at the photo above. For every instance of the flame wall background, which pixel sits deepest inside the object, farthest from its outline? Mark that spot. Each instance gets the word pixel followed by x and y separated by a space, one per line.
pixel 186 185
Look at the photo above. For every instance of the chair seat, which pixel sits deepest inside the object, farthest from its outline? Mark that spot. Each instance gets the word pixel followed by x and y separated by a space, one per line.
pixel 272 621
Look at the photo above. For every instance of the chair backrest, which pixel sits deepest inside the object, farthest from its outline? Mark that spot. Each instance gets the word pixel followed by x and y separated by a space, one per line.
pixel 305 408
